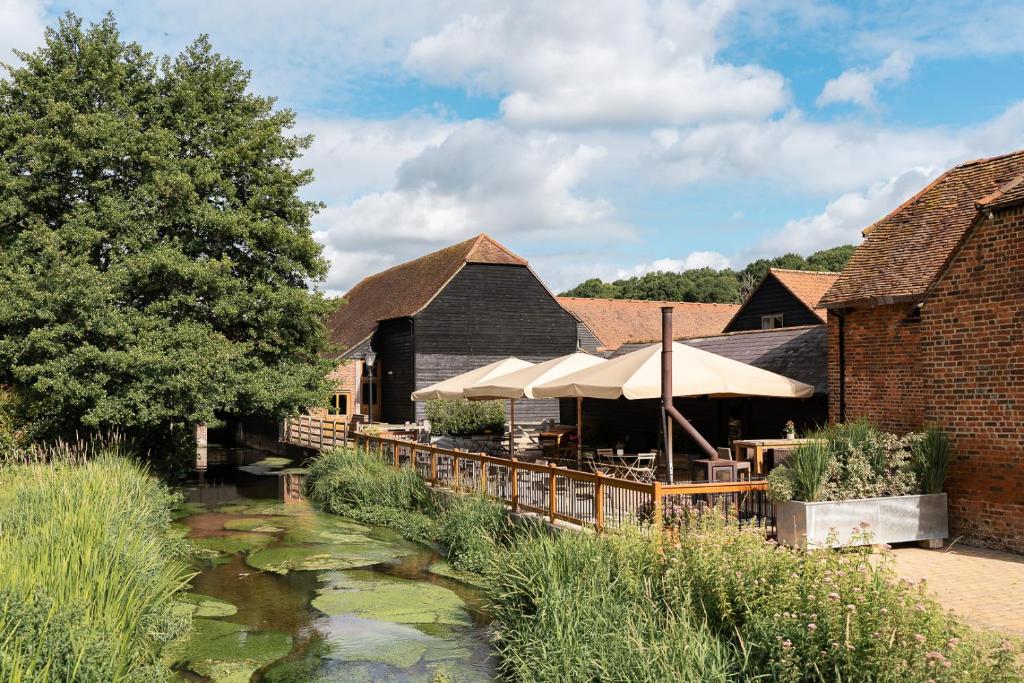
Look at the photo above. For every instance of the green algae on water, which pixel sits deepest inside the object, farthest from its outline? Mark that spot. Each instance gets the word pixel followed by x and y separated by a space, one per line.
pixel 284 558
pixel 229 545
pixel 263 525
pixel 227 652
pixel 395 600
pixel 204 606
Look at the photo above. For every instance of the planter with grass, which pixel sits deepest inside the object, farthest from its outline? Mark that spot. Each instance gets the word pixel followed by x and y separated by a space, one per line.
pixel 853 484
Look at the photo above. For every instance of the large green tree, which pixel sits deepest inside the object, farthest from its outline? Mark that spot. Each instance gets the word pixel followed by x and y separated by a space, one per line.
pixel 155 255
pixel 707 285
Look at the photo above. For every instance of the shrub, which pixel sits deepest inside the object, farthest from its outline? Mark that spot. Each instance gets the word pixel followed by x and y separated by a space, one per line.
pixel 474 529
pixel 348 479
pixel 844 461
pixel 87 570
pixel 579 607
pixel 931 457
pixel 822 615
pixel 465 418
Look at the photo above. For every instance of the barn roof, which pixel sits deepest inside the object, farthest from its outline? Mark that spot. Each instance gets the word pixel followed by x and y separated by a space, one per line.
pixel 904 252
pixel 799 353
pixel 619 321
pixel 404 290
pixel 806 285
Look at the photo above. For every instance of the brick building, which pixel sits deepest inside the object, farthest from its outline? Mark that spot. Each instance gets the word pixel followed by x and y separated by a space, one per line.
pixel 926 326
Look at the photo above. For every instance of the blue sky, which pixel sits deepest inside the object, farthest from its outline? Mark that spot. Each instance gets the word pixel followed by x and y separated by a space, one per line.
pixel 607 137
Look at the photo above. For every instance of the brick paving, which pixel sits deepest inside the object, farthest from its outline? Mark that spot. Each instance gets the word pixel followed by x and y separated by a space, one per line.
pixel 985 587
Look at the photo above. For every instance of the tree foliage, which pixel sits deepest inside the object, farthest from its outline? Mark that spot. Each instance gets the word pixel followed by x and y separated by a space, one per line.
pixel 707 285
pixel 154 251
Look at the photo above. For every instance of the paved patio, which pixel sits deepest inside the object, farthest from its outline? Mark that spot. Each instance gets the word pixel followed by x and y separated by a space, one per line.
pixel 985 587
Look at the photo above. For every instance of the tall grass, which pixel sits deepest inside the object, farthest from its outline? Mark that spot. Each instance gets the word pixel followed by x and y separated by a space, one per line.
pixel 931 455
pixel 578 607
pixel 808 465
pixel 348 478
pixel 87 570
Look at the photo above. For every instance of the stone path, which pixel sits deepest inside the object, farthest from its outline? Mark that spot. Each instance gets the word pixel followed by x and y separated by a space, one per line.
pixel 985 587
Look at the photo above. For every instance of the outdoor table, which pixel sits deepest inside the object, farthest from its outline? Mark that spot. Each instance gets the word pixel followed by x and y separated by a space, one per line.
pixel 743 448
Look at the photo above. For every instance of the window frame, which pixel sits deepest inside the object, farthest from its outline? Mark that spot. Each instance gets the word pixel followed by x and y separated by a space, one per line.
pixel 772 321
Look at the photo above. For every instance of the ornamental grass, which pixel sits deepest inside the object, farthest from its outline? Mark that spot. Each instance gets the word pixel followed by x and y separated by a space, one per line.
pixel 88 572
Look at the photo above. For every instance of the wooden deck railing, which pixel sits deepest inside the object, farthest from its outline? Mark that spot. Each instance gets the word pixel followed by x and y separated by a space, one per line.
pixel 314 431
pixel 584 498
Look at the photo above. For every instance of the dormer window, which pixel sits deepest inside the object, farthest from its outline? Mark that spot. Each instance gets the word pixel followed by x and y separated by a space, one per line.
pixel 771 322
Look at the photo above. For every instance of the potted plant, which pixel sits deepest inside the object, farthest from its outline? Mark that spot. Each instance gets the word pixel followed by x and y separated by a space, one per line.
pixel 789 431
pixel 852 484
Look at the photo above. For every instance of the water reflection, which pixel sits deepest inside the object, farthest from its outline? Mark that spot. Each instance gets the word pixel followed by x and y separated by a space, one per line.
pixel 234 514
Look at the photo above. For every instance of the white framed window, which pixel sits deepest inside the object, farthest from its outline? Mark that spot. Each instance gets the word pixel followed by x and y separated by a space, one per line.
pixel 771 322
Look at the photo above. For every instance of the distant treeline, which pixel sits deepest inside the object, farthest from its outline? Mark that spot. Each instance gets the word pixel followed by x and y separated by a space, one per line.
pixel 707 285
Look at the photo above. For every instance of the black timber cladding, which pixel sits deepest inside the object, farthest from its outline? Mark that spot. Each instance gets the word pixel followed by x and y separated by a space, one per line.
pixel 772 298
pixel 394 342
pixel 485 313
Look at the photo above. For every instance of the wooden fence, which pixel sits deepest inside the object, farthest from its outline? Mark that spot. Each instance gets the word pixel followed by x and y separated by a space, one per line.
pixel 584 498
pixel 314 431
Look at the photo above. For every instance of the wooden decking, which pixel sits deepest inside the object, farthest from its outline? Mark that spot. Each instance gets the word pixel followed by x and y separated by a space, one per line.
pixel 558 493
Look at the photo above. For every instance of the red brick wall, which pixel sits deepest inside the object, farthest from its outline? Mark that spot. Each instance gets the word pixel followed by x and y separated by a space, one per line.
pixel 883 372
pixel 972 348
pixel 961 367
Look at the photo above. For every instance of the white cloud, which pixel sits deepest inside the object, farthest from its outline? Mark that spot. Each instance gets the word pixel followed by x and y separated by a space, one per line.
pixel 858 86
pixel 482 177
pixel 801 155
pixel 21 27
pixel 352 157
pixel 599 62
pixel 843 218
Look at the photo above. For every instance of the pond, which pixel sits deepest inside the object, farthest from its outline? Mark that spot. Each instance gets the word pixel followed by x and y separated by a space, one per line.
pixel 285 593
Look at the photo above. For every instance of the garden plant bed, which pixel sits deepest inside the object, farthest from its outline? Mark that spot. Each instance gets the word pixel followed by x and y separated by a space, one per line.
pixel 890 519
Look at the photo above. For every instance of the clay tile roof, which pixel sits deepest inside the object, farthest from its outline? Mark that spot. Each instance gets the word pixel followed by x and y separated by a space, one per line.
pixel 904 252
pixel 403 290
pixel 807 285
pixel 619 321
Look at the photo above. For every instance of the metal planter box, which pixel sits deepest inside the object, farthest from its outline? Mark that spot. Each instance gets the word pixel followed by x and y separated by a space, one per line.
pixel 896 519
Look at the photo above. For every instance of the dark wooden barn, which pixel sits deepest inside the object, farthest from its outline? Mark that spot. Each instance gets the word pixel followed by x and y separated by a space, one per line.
pixel 438 316
pixel 784 298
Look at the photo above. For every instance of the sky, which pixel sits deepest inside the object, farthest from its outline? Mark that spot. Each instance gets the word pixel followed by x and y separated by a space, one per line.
pixel 605 138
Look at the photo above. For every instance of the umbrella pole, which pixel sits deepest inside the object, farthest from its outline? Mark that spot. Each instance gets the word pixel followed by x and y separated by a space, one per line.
pixel 579 432
pixel 512 428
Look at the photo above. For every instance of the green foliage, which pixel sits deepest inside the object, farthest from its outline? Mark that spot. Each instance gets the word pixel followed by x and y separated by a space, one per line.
pixel 716 603
pixel 931 458
pixel 465 418
pixel 707 285
pixel 474 529
pixel 579 607
pixel 848 461
pixel 346 478
pixel 822 615
pixel 88 571
pixel 154 251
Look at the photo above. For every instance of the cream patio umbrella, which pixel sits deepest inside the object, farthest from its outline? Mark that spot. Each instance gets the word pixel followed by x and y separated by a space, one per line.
pixel 694 373
pixel 520 384
pixel 453 387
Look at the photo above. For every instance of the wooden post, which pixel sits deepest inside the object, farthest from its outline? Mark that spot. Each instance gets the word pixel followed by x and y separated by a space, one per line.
pixel 433 466
pixel 598 502
pixel 579 432
pixel 483 477
pixel 656 507
pixel 394 451
pixel 455 472
pixel 553 493
pixel 512 428
pixel 514 473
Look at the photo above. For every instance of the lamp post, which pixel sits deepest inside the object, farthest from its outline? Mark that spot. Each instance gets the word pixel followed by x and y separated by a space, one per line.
pixel 370 358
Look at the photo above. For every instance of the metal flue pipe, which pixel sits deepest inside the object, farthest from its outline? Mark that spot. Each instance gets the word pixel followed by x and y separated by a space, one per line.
pixel 666 397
